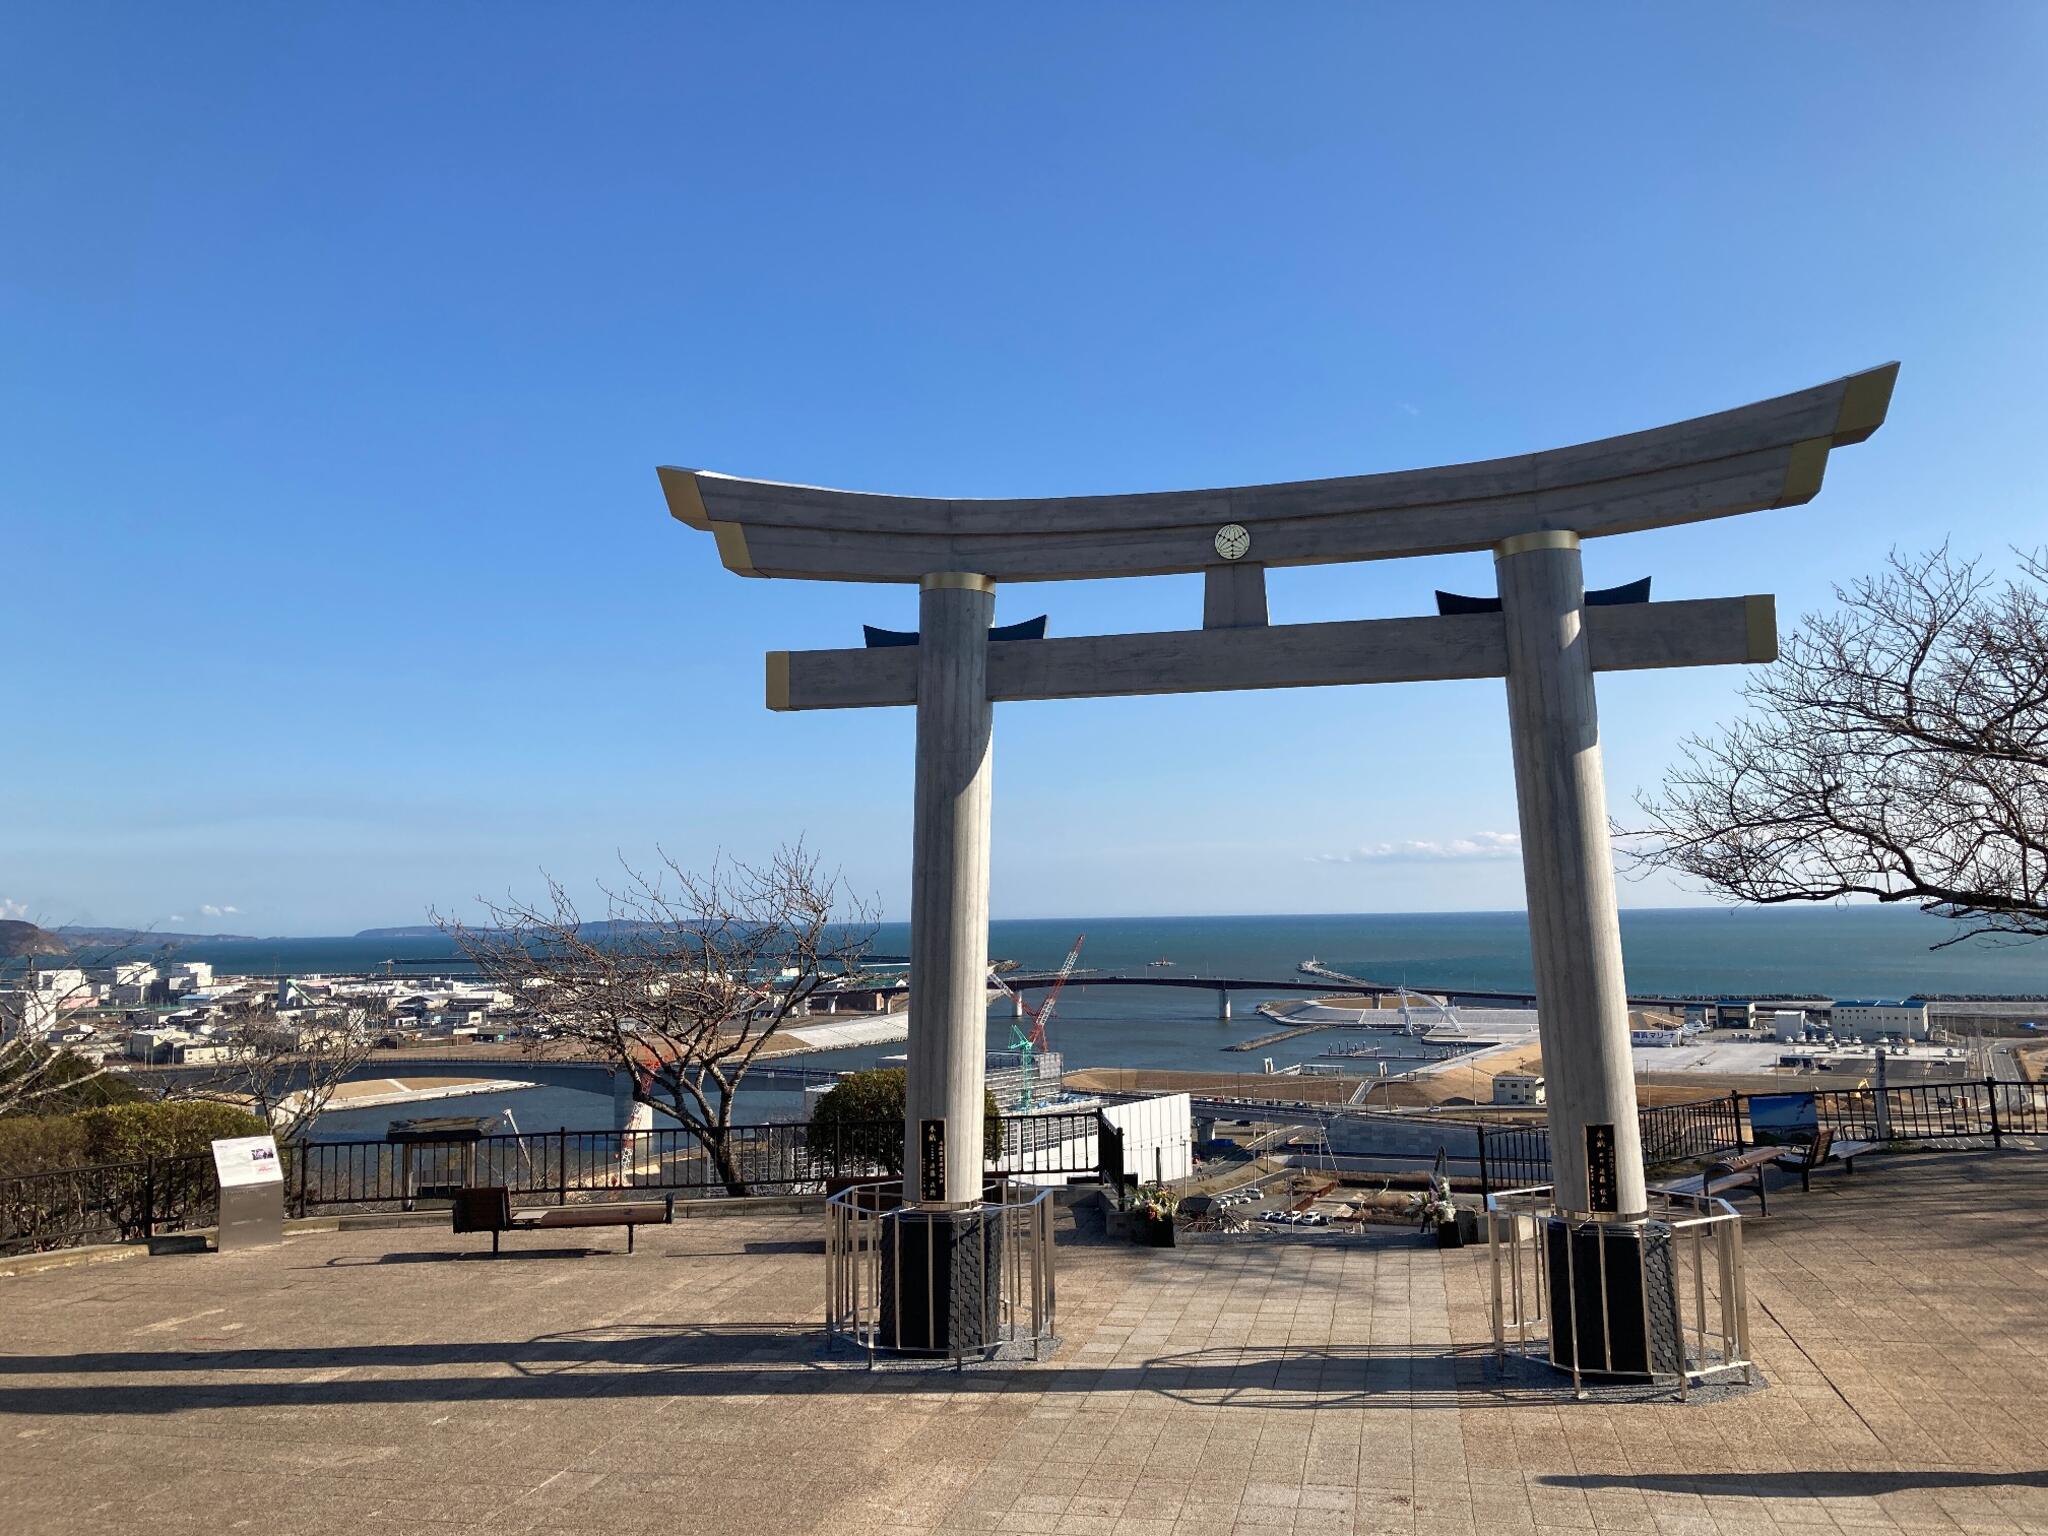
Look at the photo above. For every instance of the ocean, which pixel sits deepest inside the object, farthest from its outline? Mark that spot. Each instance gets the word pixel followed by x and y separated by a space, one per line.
pixel 1816 951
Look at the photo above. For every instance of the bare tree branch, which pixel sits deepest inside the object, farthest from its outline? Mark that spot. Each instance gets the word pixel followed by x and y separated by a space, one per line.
pixel 685 980
pixel 285 1072
pixel 1898 750
pixel 35 1075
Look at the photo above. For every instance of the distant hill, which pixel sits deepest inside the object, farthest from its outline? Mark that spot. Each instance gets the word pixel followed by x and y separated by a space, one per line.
pixel 156 937
pixel 18 939
pixel 415 931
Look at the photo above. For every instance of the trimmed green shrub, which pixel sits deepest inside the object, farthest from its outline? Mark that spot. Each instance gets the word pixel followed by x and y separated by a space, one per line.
pixel 82 1185
pixel 128 1133
pixel 33 1143
pixel 860 1122
pixel 119 1133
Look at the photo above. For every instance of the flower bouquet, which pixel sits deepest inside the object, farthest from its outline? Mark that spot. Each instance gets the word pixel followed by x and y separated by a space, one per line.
pixel 1435 1210
pixel 1153 1208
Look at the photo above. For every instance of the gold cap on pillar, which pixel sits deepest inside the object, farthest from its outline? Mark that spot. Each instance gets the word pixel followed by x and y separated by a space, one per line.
pixel 1523 543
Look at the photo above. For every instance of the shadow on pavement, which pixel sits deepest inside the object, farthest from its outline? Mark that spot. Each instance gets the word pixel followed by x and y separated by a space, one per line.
pixel 1797 1485
pixel 707 1362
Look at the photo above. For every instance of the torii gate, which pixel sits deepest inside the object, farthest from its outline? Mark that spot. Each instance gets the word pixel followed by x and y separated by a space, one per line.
pixel 1532 510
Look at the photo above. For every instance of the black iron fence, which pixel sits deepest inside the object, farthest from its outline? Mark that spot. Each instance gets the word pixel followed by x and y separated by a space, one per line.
pixel 125 1201
pixel 1512 1157
pixel 1683 1133
pixel 1921 1111
pixel 565 1166
pixel 1516 1156
pixel 120 1202
pixel 106 1203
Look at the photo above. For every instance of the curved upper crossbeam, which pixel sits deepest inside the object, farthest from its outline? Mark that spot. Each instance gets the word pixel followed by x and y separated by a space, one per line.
pixel 1769 454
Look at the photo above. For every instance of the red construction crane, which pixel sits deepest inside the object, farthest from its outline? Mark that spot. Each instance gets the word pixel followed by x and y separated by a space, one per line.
pixel 1027 1043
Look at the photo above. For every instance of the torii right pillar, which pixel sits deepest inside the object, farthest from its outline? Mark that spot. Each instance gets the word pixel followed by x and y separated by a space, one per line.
pixel 1568 867
pixel 1607 1273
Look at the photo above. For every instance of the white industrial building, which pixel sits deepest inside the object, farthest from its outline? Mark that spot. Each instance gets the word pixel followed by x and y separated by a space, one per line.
pixel 64 983
pixel 1518 1088
pixel 1787 1025
pixel 155 1045
pixel 195 973
pixel 175 1047
pixel 29 1015
pixel 1875 1018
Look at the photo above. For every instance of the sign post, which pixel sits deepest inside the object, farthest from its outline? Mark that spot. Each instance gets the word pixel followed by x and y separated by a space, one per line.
pixel 251 1193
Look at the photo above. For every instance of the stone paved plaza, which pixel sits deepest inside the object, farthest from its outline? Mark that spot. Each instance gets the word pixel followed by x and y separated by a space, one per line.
pixel 403 1380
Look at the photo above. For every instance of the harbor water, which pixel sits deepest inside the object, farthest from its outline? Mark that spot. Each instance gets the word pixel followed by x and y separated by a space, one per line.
pixel 1817 952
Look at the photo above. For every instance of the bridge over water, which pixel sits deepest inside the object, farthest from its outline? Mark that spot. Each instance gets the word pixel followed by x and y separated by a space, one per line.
pixel 1223 986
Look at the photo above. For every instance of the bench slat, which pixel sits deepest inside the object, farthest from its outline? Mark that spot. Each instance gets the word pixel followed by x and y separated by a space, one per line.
pixel 617 1214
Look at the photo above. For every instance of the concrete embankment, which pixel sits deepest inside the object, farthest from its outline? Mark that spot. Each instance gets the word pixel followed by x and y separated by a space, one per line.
pixel 376 1092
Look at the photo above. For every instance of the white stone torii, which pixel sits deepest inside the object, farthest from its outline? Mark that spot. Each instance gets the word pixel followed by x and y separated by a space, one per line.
pixel 1532 510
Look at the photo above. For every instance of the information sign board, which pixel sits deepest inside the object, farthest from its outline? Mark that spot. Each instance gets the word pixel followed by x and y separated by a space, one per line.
pixel 244 1160
pixel 251 1193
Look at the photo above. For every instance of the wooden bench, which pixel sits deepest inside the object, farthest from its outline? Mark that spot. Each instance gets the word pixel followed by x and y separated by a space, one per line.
pixel 488 1208
pixel 1742 1170
pixel 1823 1149
pixel 1745 1170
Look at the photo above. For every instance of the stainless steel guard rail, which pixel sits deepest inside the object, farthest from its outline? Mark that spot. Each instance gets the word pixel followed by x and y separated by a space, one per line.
pixel 1704 1234
pixel 864 1228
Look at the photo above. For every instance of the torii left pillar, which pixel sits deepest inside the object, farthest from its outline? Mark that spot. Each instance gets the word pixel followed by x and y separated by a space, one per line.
pixel 943 1099
pixel 942 1253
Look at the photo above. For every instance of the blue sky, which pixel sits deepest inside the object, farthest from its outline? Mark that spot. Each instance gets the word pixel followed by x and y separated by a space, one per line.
pixel 338 346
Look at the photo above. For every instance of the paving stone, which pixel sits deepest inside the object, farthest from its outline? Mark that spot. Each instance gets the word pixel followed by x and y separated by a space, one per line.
pixel 393 1380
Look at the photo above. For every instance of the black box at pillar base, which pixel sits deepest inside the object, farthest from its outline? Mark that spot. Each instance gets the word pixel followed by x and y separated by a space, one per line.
pixel 942 1277
pixel 1613 1298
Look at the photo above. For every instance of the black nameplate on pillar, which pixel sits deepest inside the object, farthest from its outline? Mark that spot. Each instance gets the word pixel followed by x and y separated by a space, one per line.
pixel 1603 1179
pixel 931 1162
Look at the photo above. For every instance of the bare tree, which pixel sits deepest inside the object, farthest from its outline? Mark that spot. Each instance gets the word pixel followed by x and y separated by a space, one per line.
pixel 286 1072
pixel 1897 750
pixel 36 1076
pixel 686 978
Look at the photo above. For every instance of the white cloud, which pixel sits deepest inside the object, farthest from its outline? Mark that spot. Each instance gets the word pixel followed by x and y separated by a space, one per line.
pixel 17 909
pixel 176 917
pixel 221 911
pixel 1480 845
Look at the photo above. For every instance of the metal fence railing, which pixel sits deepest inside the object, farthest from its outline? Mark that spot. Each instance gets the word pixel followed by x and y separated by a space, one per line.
pixel 1921 1111
pixel 105 1203
pixel 564 1166
pixel 1515 1156
pixel 1679 1133
pixel 1511 1157
pixel 125 1201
